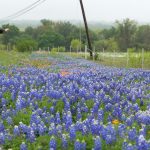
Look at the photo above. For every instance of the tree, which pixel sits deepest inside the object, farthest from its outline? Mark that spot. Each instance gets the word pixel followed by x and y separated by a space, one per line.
pixel 26 45
pixel 75 44
pixel 126 33
pixel 68 31
pixel 51 39
pixel 10 36
pixel 109 45
pixel 107 33
pixel 143 37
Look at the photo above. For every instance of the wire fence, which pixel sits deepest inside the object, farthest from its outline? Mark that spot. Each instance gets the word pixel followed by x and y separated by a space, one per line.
pixel 128 59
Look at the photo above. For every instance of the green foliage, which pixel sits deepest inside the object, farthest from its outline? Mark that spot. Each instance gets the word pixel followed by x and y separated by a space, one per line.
pixel 125 34
pixel 89 103
pixel 143 37
pixel 45 102
pixel 50 39
pixel 12 58
pixel 126 31
pixel 54 50
pixel 109 45
pixel 23 116
pixel 62 49
pixel 75 44
pixel 10 36
pixel 26 45
pixel 59 106
pixel 14 144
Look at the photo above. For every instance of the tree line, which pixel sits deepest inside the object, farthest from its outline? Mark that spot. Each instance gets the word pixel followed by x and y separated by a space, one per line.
pixel 123 35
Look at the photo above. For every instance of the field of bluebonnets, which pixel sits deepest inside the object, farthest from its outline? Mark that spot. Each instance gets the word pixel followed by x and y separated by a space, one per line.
pixel 73 104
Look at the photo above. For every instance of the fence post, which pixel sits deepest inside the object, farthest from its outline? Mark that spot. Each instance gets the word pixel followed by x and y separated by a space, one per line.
pixel 70 49
pixel 48 50
pixel 94 54
pixel 114 57
pixel 127 58
pixel 103 53
pixel 77 50
pixel 142 58
pixel 85 52
pixel 58 50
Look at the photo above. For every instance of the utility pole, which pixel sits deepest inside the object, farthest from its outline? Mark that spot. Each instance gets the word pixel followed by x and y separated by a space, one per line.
pixel 86 28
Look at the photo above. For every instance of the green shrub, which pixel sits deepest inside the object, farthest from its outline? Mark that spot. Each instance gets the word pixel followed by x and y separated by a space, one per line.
pixel 54 50
pixel 26 45
pixel 62 49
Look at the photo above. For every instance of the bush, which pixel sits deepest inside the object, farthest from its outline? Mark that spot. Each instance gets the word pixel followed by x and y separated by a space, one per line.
pixel 62 49
pixel 26 45
pixel 54 50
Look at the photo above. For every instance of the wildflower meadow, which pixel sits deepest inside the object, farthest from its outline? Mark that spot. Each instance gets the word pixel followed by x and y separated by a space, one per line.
pixel 73 104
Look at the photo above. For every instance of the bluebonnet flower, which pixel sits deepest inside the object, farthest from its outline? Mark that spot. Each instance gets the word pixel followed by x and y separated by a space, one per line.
pixel 97 143
pixel 2 138
pixel 79 115
pixel 58 120
pixel 136 107
pixel 31 136
pixel 121 130
pixel 2 128
pixel 4 101
pixel 108 107
pixel 52 119
pixel 9 120
pixel 23 146
pixel 84 129
pixel 68 120
pixel 132 134
pixel 52 143
pixel 110 118
pixel 41 129
pixel 124 145
pixel 59 129
pixel 130 147
pixel 95 127
pixel 143 117
pixel 16 131
pixel 77 145
pixel 52 109
pixel 142 144
pixel 100 115
pixel 133 98
pixel 72 133
pixel 64 141
pixel 129 121
pixel 52 129
pixel 83 145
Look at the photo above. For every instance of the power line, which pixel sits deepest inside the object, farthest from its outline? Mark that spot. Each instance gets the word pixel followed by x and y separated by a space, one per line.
pixel 23 11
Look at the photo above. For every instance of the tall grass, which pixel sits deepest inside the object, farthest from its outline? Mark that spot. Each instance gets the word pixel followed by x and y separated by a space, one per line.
pixel 8 58
pixel 118 59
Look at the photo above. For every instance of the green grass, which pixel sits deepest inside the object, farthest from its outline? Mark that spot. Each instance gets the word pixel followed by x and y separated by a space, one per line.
pixel 12 58
pixel 118 59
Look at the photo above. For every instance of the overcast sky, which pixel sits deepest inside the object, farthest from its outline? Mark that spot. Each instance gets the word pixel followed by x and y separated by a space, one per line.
pixel 96 10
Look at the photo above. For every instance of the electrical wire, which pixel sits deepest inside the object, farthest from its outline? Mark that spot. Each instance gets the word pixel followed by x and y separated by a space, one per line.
pixel 23 11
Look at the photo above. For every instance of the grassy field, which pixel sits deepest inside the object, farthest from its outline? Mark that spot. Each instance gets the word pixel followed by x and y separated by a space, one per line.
pixel 121 60
pixel 12 58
